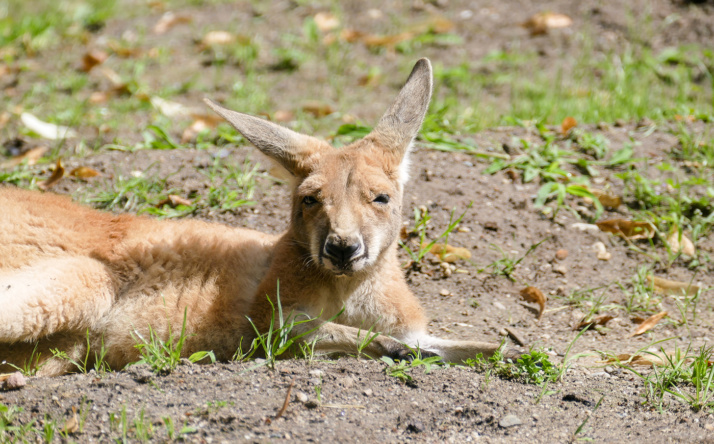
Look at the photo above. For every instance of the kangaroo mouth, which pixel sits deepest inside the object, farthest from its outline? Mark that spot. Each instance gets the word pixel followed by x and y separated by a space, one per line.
pixel 343 268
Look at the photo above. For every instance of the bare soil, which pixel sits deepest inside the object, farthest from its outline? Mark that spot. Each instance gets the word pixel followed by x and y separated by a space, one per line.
pixel 352 400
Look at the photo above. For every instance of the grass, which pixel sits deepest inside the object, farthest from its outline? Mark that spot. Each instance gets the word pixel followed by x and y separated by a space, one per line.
pixel 163 356
pixel 421 222
pixel 401 369
pixel 686 376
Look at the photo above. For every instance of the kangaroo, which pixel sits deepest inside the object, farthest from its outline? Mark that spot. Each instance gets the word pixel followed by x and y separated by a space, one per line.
pixel 73 277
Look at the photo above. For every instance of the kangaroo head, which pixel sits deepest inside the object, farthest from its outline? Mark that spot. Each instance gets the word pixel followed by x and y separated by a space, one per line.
pixel 346 202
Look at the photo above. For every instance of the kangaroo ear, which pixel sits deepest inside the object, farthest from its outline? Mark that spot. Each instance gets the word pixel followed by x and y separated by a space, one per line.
pixel 400 124
pixel 291 150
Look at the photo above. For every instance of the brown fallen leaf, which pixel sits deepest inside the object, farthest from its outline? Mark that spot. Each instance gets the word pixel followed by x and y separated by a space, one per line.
pixel 449 253
pixel 169 20
pixel 628 229
pixel 645 361
pixel 317 109
pixel 589 323
pixel 542 22
pixel 84 172
pixel 283 116
pixel 608 200
pixel 93 58
pixel 57 174
pixel 436 24
pixel 201 122
pixel 533 294
pixel 674 288
pixel 72 424
pixel 568 124
pixel 677 245
pixel 30 156
pixel 649 323
pixel 174 201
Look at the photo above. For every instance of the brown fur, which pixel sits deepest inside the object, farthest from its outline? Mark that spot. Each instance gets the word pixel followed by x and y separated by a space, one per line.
pixel 67 271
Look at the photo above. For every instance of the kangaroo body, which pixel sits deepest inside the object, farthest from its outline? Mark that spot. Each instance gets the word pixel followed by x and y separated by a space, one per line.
pixel 71 275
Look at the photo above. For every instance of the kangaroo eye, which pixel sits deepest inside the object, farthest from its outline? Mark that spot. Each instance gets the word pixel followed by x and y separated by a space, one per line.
pixel 309 201
pixel 381 199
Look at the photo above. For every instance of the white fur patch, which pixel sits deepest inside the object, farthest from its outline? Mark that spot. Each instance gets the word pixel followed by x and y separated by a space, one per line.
pixel 404 166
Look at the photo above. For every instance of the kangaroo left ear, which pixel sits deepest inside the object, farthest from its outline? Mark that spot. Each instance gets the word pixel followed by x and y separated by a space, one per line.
pixel 400 124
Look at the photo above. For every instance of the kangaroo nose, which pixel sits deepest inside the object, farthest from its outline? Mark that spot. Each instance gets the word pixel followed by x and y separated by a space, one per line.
pixel 341 252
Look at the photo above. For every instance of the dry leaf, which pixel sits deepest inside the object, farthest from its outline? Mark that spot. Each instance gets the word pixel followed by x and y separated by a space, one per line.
pixel 283 116
pixel 568 124
pixel 31 156
pixel 628 229
pixel 174 201
pixel 317 109
pixel 169 108
pixel 628 359
pixel 685 246
pixel 326 21
pixel 674 288
pixel 93 58
pixel 533 294
pixel 84 172
pixel 46 130
pixel 57 174
pixel 169 20
pixel 598 320
pixel 214 38
pixel 449 253
pixel 72 424
pixel 608 200
pixel 542 22
pixel 649 323
pixel 436 24
pixel 602 253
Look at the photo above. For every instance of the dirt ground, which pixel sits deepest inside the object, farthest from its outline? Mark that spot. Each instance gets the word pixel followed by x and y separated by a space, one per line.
pixel 352 400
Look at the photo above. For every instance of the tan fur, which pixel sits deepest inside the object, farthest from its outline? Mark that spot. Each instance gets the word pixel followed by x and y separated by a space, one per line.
pixel 66 270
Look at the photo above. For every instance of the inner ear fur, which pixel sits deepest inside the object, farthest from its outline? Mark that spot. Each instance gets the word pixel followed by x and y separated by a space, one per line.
pixel 290 149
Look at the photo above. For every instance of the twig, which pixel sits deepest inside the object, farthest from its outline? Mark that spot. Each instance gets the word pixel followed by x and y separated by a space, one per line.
pixel 286 402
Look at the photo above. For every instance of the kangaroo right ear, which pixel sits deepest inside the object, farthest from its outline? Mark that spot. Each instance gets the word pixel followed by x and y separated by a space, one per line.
pixel 400 124
pixel 290 149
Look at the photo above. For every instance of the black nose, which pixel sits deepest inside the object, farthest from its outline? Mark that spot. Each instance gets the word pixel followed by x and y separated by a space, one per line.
pixel 341 253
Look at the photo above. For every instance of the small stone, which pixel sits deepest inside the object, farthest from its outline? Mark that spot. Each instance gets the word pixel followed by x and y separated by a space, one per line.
pixel 444 292
pixel 347 382
pixel 317 373
pixel 14 382
pixel 499 305
pixel 561 254
pixel 560 269
pixel 367 392
pixel 301 397
pixel 509 421
pixel 502 332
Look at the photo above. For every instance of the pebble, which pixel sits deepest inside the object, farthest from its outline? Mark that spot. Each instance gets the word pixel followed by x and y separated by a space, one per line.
pixel 499 305
pixel 561 254
pixel 301 396
pixel 444 292
pixel 367 392
pixel 560 269
pixel 317 373
pixel 14 382
pixel 509 421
